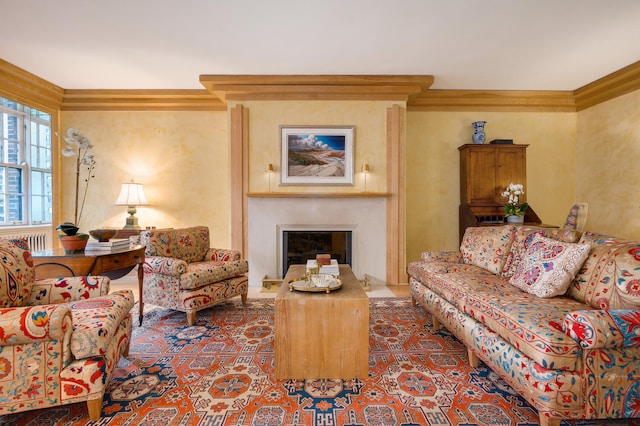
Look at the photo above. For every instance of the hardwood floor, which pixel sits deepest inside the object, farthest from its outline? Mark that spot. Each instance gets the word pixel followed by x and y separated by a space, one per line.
pixel 400 290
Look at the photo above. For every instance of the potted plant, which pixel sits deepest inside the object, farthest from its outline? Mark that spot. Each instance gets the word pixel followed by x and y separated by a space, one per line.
pixel 77 145
pixel 514 211
pixel 72 241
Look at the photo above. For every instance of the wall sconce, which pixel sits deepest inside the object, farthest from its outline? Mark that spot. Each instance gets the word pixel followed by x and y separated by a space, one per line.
pixel 365 171
pixel 269 169
pixel 131 195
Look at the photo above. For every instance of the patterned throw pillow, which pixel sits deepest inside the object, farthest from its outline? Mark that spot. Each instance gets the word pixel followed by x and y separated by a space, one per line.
pixel 549 266
pixel 16 273
pixel 523 237
pixel 487 246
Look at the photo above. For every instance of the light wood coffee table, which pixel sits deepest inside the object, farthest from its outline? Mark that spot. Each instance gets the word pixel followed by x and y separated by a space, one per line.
pixel 322 335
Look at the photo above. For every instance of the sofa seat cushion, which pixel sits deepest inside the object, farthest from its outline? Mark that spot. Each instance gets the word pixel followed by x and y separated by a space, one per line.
pixel 531 324
pixel 200 274
pixel 425 270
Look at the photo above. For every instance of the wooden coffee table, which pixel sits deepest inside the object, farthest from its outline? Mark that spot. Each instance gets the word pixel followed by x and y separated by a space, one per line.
pixel 322 335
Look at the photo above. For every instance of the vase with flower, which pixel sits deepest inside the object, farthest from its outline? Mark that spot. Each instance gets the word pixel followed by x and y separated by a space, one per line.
pixel 514 211
pixel 77 145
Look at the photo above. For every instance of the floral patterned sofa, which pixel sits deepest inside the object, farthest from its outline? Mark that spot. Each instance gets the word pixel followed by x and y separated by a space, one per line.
pixel 557 320
pixel 182 272
pixel 60 338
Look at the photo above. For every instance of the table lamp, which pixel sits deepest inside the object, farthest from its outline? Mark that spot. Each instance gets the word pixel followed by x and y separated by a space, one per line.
pixel 131 195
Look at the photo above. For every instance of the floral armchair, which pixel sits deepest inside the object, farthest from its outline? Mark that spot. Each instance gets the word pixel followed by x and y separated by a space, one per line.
pixel 182 272
pixel 60 338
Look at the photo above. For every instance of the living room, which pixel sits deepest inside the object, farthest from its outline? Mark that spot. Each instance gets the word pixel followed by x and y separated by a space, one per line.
pixel 206 141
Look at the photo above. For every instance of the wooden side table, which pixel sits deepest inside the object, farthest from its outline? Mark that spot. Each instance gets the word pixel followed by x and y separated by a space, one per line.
pixel 114 264
pixel 322 335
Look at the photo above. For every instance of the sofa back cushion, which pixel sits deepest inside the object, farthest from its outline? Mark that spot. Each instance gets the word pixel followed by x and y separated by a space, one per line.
pixel 549 266
pixel 487 246
pixel 189 244
pixel 17 273
pixel 610 277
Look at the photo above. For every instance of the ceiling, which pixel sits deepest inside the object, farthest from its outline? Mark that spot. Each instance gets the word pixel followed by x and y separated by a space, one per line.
pixel 464 44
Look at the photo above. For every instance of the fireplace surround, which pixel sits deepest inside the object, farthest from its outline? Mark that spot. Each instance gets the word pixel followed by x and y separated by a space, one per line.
pixel 269 216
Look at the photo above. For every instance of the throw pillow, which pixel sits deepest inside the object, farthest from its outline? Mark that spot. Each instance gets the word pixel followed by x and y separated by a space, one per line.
pixel 521 242
pixel 486 246
pixel 16 273
pixel 549 266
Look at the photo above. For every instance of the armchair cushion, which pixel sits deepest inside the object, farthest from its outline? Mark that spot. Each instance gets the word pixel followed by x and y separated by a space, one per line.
pixel 96 320
pixel 189 244
pixel 204 273
pixel 16 273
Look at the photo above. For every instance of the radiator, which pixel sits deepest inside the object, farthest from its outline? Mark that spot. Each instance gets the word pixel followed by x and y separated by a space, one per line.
pixel 37 238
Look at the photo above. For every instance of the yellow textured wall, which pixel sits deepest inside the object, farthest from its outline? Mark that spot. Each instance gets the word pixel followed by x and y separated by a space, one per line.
pixel 368 117
pixel 433 170
pixel 182 158
pixel 607 176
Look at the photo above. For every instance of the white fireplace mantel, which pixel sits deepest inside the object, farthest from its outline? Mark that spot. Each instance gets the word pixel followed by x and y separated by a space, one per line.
pixel 366 215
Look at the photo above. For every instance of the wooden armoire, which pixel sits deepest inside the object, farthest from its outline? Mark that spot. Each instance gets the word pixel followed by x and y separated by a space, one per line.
pixel 485 172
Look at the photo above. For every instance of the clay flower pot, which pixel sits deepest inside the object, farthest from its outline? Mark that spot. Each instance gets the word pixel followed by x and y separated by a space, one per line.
pixel 74 244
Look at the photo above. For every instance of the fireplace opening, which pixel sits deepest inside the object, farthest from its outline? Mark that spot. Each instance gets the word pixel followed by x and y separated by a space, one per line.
pixel 300 246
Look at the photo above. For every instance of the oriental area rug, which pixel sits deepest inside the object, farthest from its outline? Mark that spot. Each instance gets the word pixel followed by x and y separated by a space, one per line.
pixel 220 371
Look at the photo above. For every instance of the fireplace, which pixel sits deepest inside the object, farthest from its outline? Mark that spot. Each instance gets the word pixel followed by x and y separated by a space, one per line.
pixel 301 245
pixel 269 217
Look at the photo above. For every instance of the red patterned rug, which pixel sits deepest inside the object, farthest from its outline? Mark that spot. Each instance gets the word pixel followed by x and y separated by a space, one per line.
pixel 220 372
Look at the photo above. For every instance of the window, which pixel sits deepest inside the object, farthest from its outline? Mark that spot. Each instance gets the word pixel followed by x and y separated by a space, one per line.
pixel 25 165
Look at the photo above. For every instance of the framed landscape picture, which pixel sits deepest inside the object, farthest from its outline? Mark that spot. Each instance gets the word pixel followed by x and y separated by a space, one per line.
pixel 316 155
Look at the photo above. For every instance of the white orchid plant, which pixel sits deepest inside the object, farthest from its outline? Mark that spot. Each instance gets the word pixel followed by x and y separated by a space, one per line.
pixel 78 145
pixel 512 194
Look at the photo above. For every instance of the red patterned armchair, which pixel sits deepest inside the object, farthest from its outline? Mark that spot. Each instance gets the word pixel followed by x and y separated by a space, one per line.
pixel 182 272
pixel 60 338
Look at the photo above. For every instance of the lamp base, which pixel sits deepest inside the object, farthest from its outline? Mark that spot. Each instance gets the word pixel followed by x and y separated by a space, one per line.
pixel 132 220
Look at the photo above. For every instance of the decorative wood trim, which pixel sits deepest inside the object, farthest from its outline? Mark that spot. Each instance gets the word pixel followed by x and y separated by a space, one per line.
pixel 496 100
pixel 317 194
pixel 315 87
pixel 140 100
pixel 396 250
pixel 239 163
pixel 29 89
pixel 621 82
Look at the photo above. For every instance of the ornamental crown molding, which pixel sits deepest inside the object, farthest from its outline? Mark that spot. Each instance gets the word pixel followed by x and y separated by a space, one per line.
pixel 27 88
pixel 618 83
pixel 316 87
pixel 140 100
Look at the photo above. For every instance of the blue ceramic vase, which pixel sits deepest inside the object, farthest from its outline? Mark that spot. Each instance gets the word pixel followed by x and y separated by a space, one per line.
pixel 478 132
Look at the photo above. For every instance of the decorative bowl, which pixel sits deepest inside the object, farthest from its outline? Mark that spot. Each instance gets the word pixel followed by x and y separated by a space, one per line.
pixel 103 235
pixel 323 280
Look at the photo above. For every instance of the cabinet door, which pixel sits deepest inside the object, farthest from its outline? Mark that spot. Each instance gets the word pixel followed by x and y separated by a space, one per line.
pixel 486 170
pixel 511 167
pixel 479 176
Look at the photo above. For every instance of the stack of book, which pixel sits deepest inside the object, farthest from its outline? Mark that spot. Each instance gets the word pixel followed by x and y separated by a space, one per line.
pixel 117 243
pixel 332 268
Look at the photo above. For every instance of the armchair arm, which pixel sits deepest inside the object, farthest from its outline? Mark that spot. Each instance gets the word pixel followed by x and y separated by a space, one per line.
pixel 31 324
pixel 442 256
pixel 604 329
pixel 69 289
pixel 222 255
pixel 164 265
